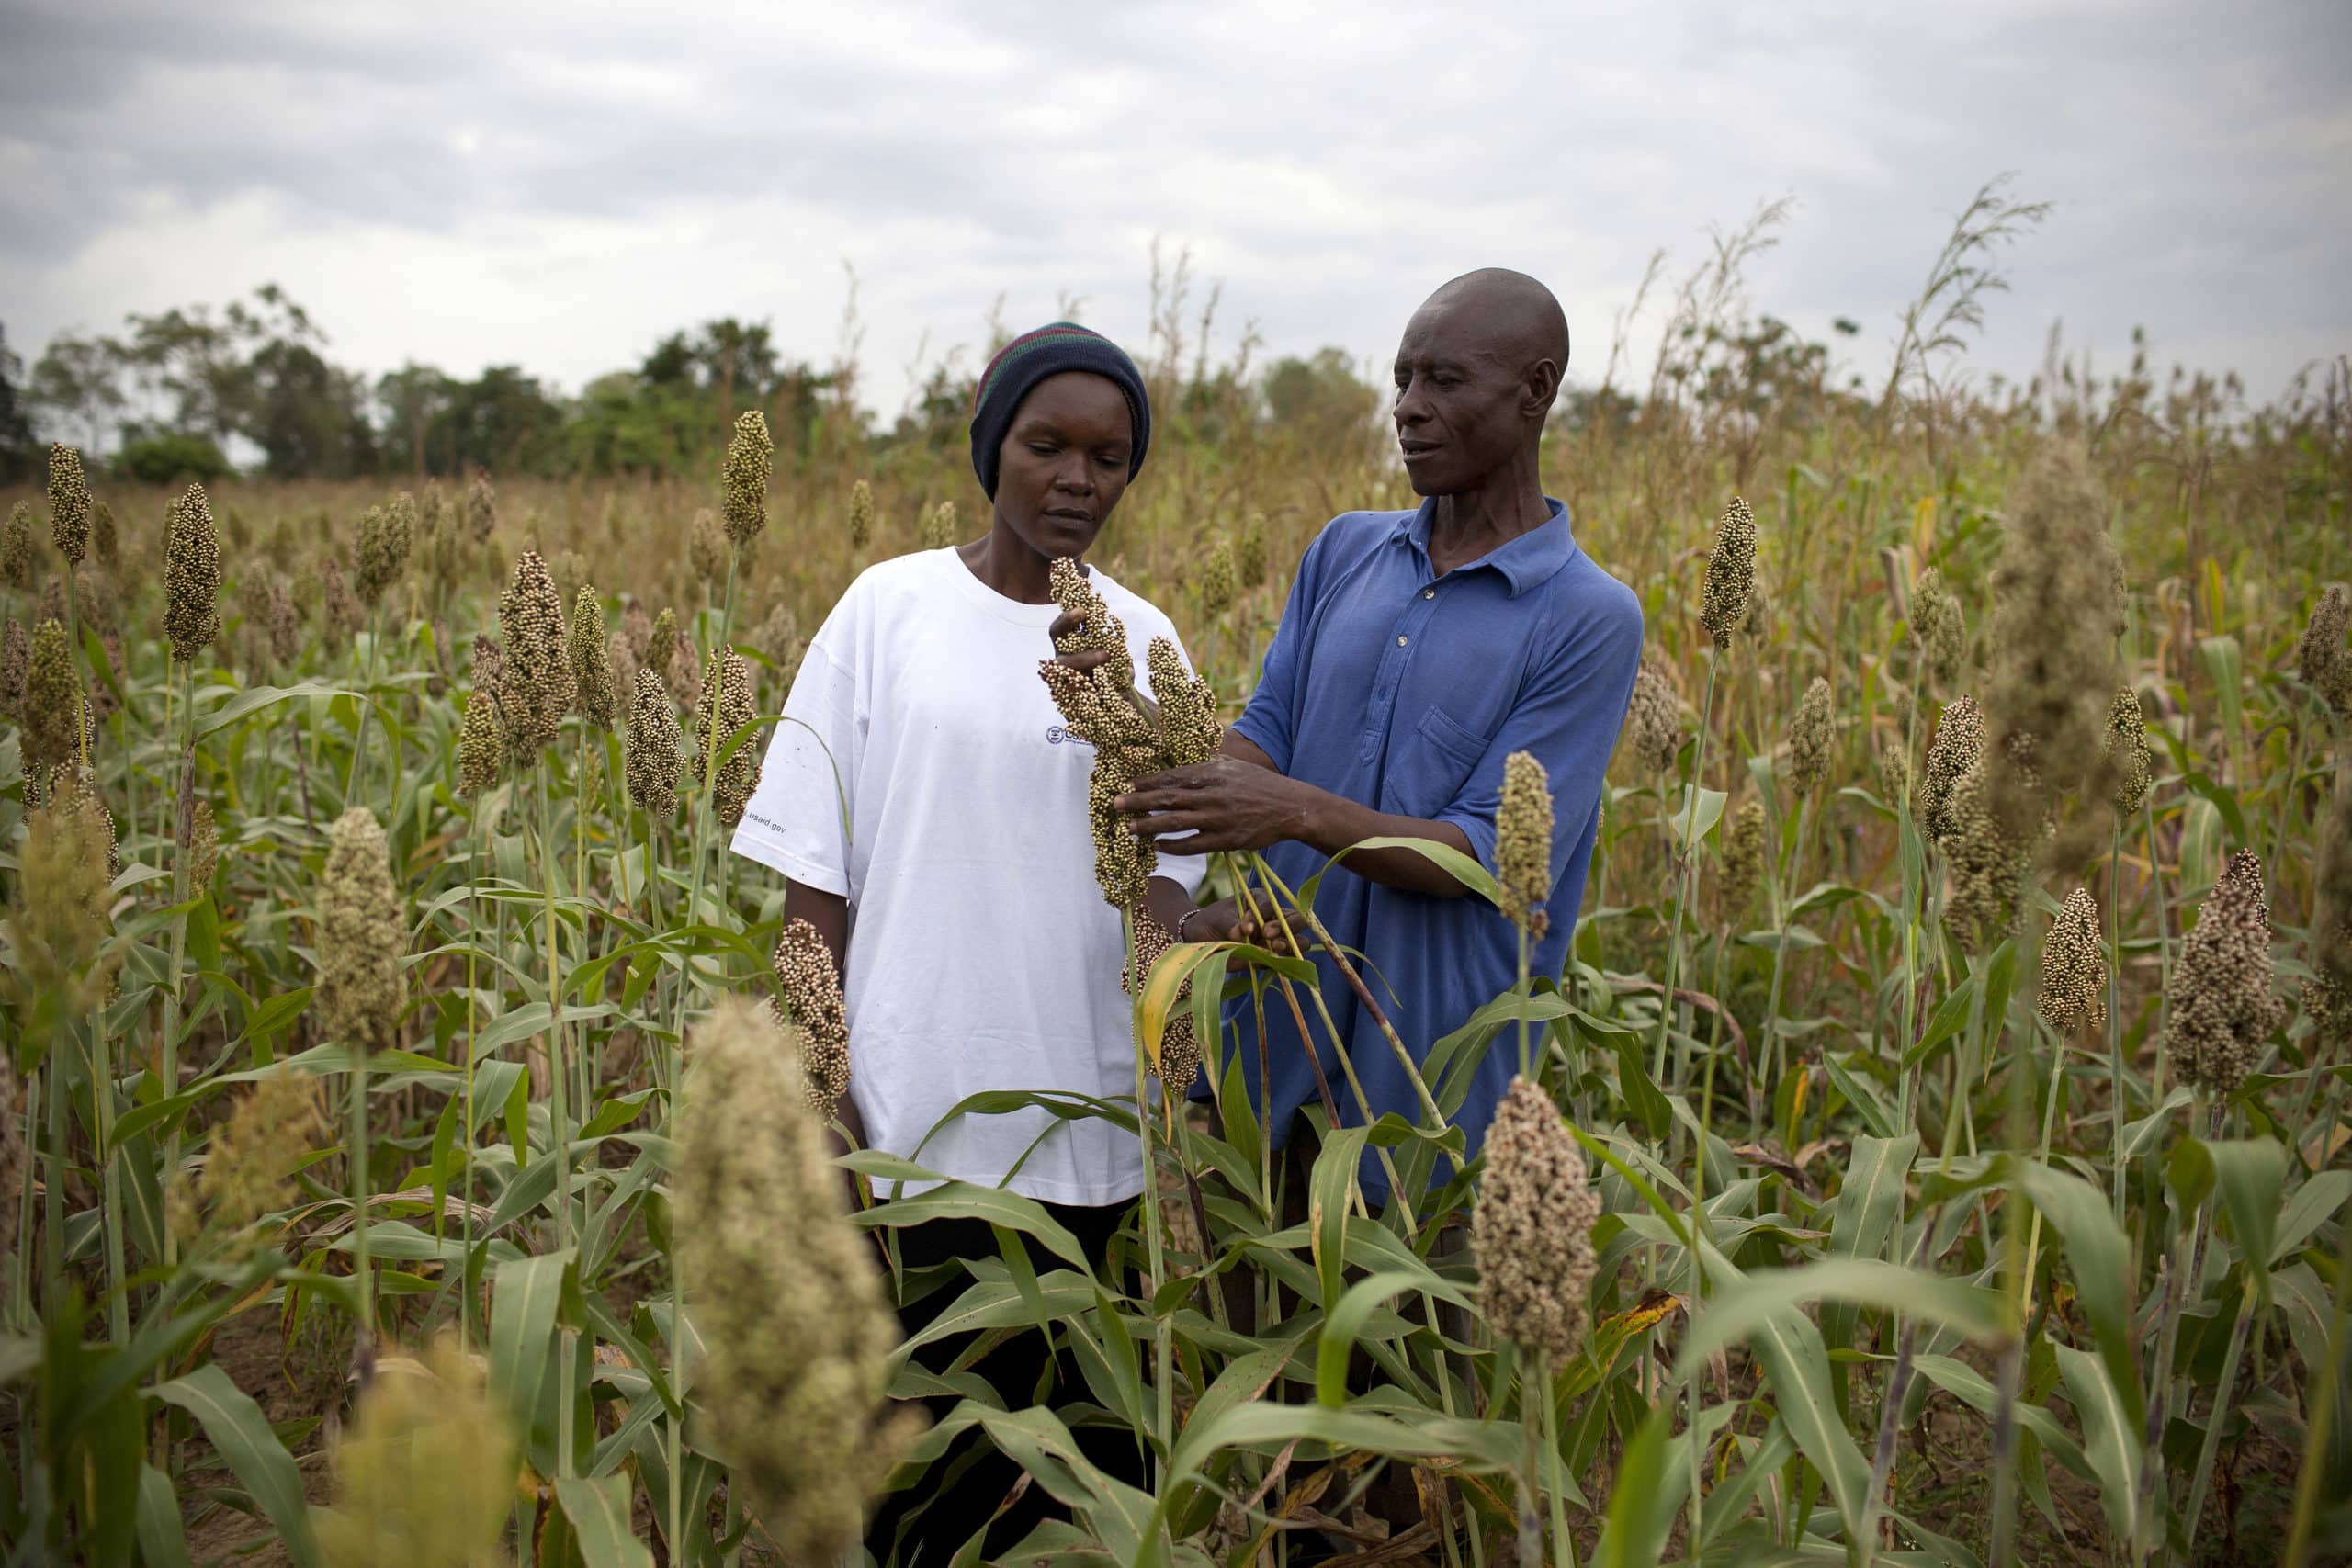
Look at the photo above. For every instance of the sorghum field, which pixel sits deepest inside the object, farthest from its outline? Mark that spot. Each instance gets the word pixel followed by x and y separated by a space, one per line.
pixel 1934 1153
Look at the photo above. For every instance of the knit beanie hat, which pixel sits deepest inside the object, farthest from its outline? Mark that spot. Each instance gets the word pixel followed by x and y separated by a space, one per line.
pixel 1029 359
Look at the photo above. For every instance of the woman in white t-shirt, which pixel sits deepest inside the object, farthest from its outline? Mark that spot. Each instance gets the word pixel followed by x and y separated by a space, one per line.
pixel 929 812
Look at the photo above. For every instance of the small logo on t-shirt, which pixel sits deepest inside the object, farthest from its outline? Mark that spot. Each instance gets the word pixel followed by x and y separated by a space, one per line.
pixel 1056 735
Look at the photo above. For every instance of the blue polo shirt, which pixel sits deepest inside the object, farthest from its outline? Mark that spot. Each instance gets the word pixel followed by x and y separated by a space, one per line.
pixel 1404 691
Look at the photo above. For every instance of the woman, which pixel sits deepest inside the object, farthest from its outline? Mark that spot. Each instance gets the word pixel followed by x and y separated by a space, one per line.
pixel 928 814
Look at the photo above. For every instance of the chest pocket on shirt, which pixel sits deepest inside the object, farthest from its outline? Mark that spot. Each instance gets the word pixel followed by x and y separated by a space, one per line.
pixel 1428 768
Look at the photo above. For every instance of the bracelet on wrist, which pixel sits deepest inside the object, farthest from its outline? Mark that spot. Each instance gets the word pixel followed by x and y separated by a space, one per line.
pixel 1185 922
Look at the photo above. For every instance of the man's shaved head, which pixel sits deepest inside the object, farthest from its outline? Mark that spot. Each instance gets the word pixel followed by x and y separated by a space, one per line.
pixel 1507 313
pixel 1476 373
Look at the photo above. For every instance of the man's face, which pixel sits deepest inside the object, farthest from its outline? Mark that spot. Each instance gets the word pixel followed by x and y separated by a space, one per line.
pixel 1461 401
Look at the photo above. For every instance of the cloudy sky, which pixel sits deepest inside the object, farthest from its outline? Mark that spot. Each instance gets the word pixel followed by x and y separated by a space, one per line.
pixel 556 185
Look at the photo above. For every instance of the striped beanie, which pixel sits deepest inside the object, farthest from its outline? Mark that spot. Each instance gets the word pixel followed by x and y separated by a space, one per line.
pixel 1028 359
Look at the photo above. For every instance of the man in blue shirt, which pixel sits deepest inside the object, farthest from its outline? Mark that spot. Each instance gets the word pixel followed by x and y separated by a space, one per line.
pixel 1417 652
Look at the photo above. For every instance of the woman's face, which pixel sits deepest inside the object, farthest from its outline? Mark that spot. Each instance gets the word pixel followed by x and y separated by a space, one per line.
pixel 1064 463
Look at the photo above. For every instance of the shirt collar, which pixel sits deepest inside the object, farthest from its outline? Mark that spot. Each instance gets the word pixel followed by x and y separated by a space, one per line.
pixel 1526 562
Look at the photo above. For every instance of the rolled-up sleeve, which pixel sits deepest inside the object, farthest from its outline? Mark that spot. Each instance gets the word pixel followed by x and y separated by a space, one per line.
pixel 797 818
pixel 1566 717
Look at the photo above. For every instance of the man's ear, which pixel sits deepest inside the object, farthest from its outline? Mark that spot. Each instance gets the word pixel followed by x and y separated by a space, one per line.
pixel 1542 385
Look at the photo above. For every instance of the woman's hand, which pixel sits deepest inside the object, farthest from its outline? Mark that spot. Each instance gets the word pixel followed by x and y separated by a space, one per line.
pixel 1226 921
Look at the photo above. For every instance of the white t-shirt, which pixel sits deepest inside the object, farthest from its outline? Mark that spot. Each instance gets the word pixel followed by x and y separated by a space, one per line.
pixel 981 954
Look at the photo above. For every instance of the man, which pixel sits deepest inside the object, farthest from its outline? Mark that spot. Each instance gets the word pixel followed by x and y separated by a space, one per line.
pixel 1417 652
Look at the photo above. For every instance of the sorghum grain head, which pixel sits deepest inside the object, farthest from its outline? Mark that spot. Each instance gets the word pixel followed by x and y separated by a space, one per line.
pixel 379 554
pixel 810 999
pixel 1179 1045
pixel 16 548
pixel 1743 863
pixel 1983 861
pixel 1532 1231
pixel 1809 737
pixel 481 744
pixel 592 669
pixel 2327 995
pixel 638 627
pixel 653 742
pixel 1939 626
pixel 2074 967
pixel 1894 770
pixel 50 717
pixel 624 662
pixel 2221 1007
pixel 1653 732
pixel 191 576
pixel 1731 574
pixel 426 1472
pixel 939 526
pixel 861 516
pixel 570 569
pixel 1958 746
pixel 1123 862
pixel 1190 730
pixel 362 937
pixel 340 606
pixel 16 650
pixel 2323 662
pixel 2052 640
pixel 797 1333
pixel 73 787
pixel 249 1166
pixel 2124 752
pixel 1099 631
pixel 1249 555
pixel 779 637
pixel 537 689
pixel 278 617
pixel 69 504
pixel 58 920
pixel 1524 843
pixel 743 478
pixel 1220 580
pixel 203 844
pixel 727 691
pixel 707 549
pixel 481 507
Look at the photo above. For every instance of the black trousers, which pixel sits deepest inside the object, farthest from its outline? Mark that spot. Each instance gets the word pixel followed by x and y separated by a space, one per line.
pixel 928 1522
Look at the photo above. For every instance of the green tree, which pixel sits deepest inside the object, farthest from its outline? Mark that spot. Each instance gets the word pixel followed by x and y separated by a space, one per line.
pixel 78 382
pixel 308 418
pixel 18 455
pixel 412 397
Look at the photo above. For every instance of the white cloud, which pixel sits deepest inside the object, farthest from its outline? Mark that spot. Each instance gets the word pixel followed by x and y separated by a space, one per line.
pixel 555 185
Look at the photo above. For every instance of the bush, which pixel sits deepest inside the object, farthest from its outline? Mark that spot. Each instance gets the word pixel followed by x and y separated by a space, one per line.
pixel 171 460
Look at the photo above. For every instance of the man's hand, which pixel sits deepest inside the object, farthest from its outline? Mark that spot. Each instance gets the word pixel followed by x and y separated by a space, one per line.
pixel 1085 659
pixel 1222 804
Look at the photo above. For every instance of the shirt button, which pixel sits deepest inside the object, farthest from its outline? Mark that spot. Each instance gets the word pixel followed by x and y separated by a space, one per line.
pixel 1400 642
pixel 1429 593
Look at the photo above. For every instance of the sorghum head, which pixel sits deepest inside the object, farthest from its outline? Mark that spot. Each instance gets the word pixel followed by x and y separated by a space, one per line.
pixel 1249 555
pixel 50 718
pixel 1524 843
pixel 537 689
pixel 1939 626
pixel 2074 967
pixel 340 606
pixel 788 1300
pixel 103 541
pixel 191 575
pixel 1809 737
pixel 1190 730
pixel 1653 731
pixel 727 701
pixel 1743 863
pixel 809 987
pixel 1220 580
pixel 1179 1061
pixel 69 504
pixel 707 549
pixel 653 742
pixel 481 507
pixel 1958 746
pixel 249 1165
pixel 426 1472
pixel 2323 660
pixel 2221 1007
pixel 592 669
pixel 743 478
pixel 1985 863
pixel 1532 1231
pixel 362 937
pixel 15 651
pixel 861 516
pixel 939 526
pixel 58 920
pixel 1731 574
pixel 16 548
pixel 2124 752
